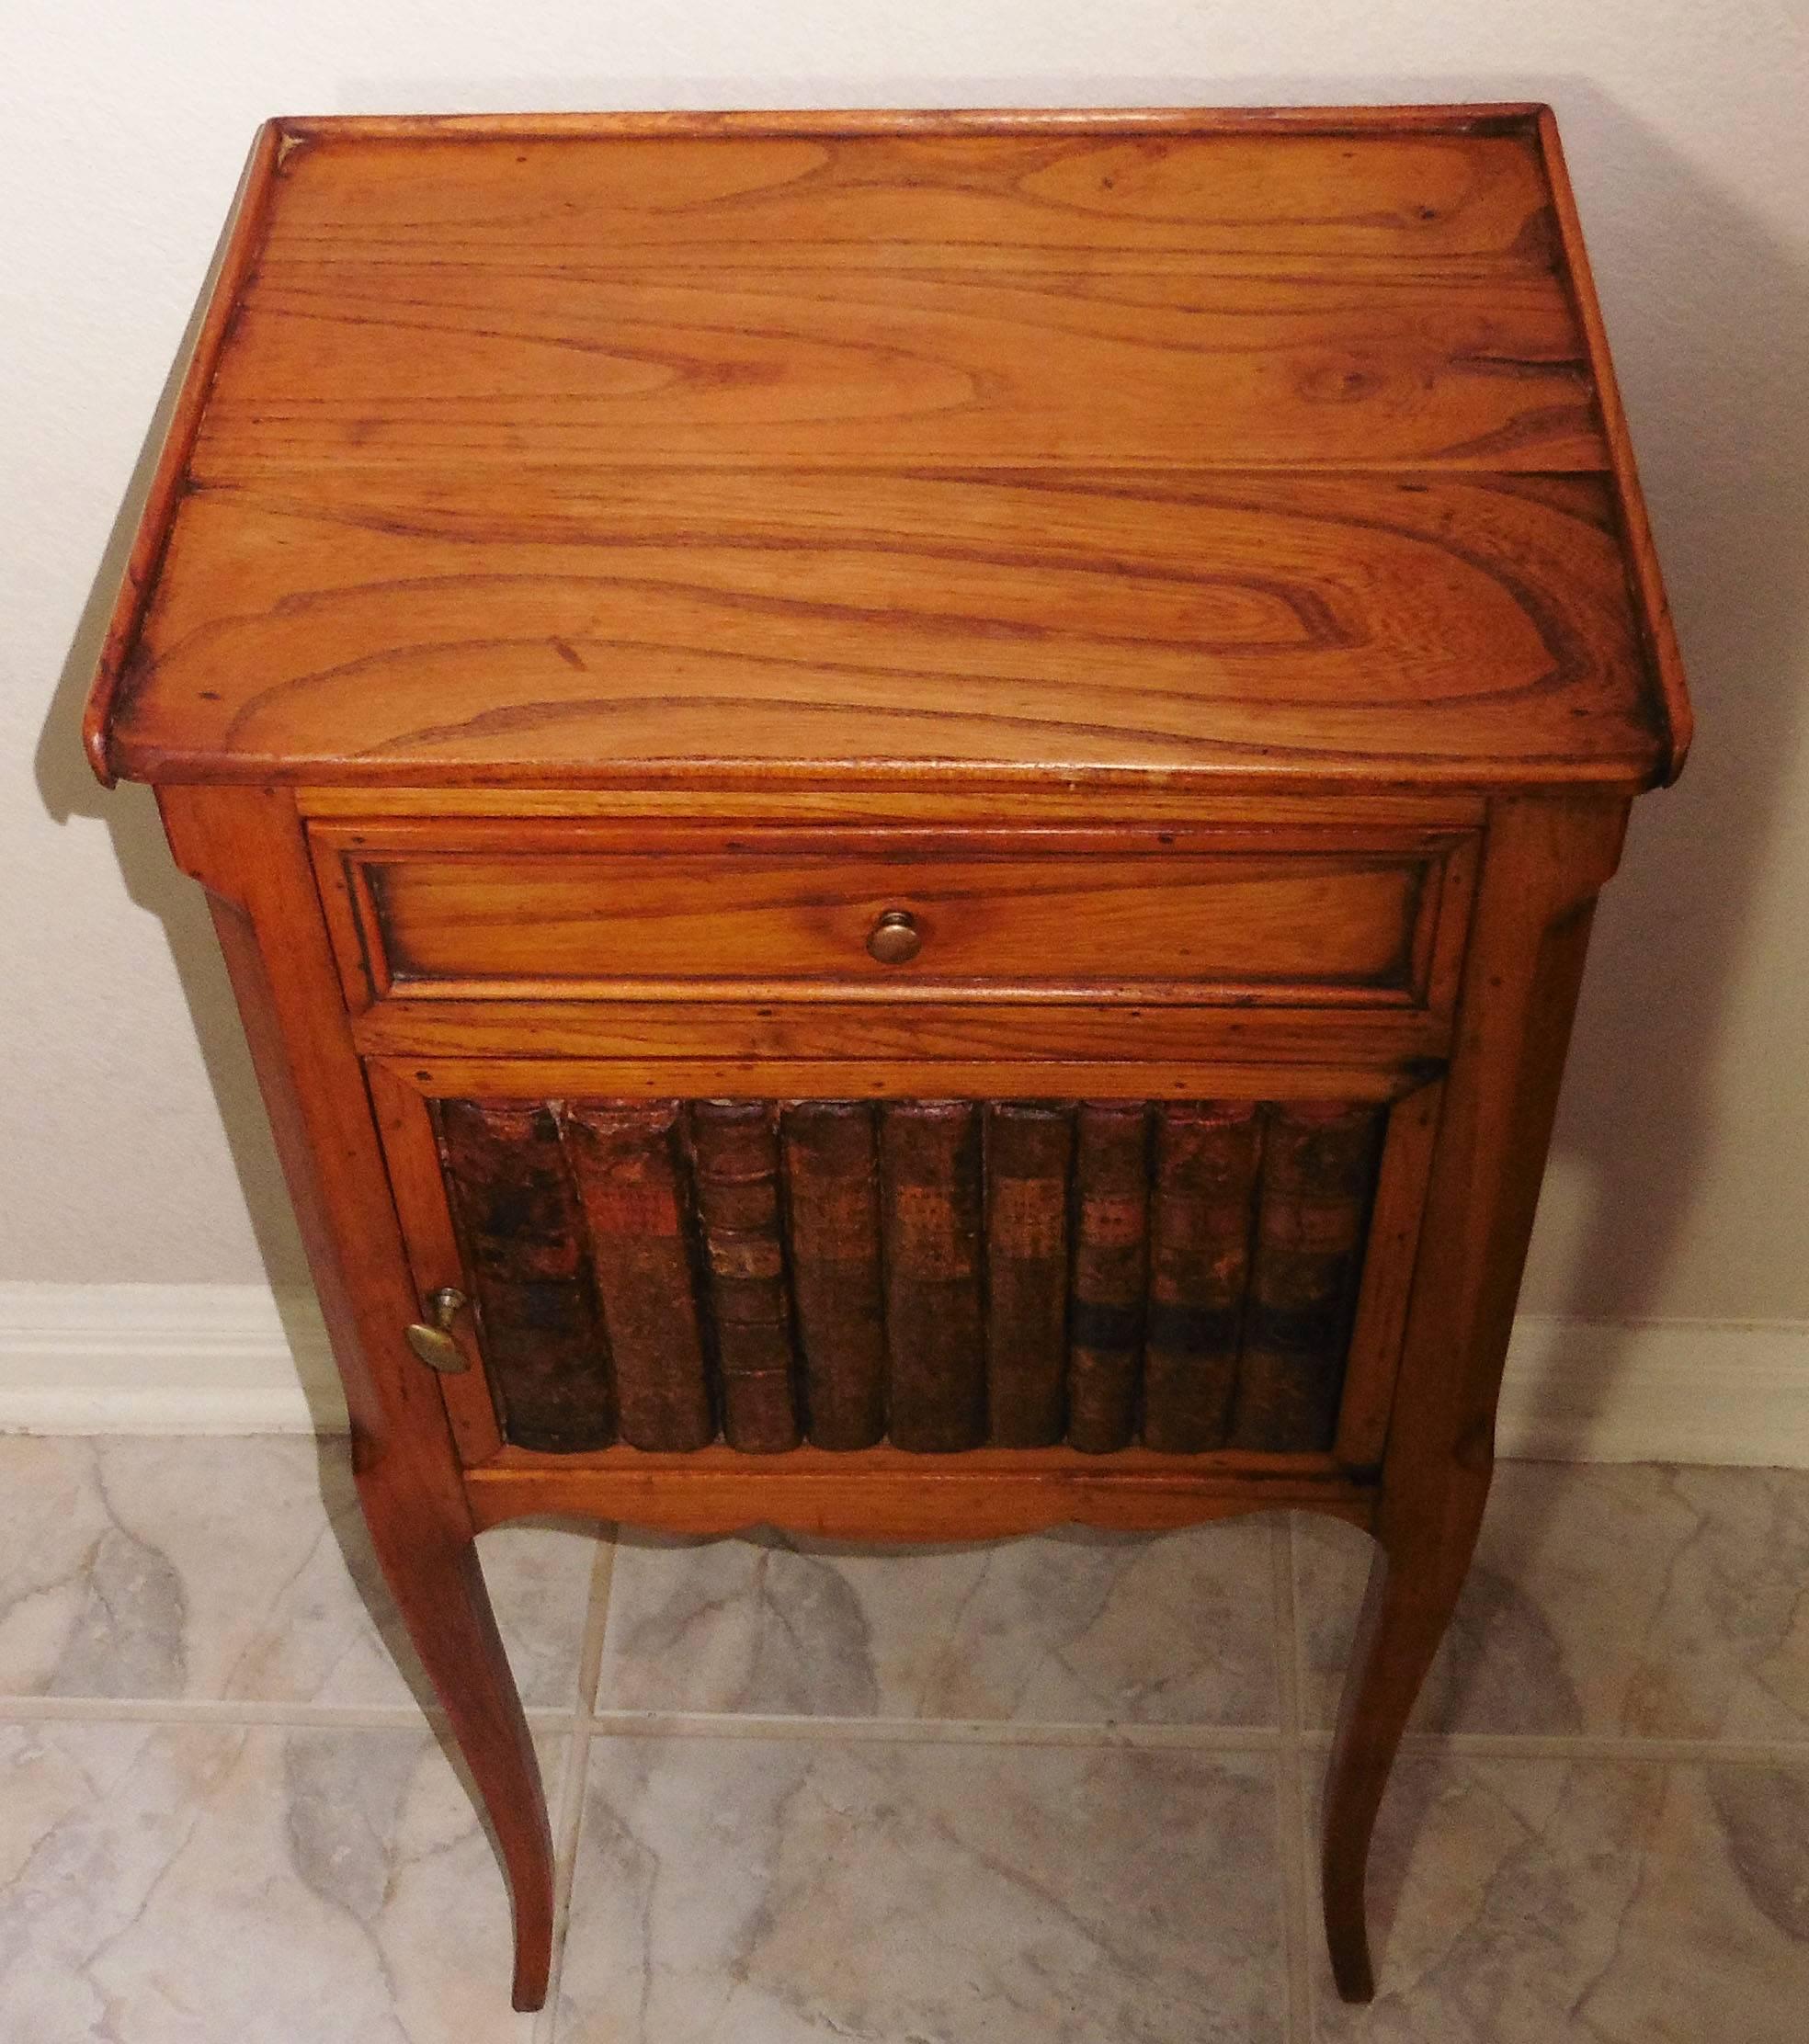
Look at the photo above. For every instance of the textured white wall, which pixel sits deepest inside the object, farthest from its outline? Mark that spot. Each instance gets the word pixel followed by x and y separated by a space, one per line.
pixel 134 1147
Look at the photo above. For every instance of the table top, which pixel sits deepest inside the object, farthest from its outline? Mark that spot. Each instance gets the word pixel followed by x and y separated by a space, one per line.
pixel 1201 447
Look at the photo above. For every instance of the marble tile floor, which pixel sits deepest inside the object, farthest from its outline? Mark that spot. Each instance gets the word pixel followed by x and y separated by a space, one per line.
pixel 1056 1789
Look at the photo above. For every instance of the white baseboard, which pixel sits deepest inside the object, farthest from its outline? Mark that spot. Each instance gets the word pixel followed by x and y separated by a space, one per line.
pixel 1657 1390
pixel 164 1360
pixel 238 1360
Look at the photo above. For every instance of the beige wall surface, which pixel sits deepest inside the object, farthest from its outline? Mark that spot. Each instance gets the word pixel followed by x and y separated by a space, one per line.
pixel 133 1146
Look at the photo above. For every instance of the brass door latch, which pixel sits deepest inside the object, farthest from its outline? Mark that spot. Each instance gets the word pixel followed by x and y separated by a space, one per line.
pixel 432 1341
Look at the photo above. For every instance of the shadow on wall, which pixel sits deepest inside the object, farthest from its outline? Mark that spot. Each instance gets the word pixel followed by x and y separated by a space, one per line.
pixel 1710 316
pixel 70 790
pixel 1716 374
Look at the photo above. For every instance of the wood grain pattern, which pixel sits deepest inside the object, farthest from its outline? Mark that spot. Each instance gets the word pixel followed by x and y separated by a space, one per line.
pixel 231 268
pixel 887 1495
pixel 903 797
pixel 846 298
pixel 733 1034
pixel 1398 1222
pixel 590 626
pixel 408 1130
pixel 1162 920
pixel 1664 658
pixel 494 1077
pixel 617 555
pixel 1243 447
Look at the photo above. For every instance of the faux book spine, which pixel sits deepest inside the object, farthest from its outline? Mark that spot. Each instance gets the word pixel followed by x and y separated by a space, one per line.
pixel 735 1145
pixel 940 1273
pixel 624 1159
pixel 1028 1149
pixel 1110 1259
pixel 1203 1209
pixel 832 1173
pixel 1318 1170
pixel 523 1245
pixel 934 1332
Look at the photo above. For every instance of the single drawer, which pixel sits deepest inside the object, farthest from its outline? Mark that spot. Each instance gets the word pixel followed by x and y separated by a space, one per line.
pixel 478 911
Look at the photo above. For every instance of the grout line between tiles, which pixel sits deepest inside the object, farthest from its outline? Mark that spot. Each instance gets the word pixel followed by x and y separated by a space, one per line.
pixel 568 1815
pixel 1514 1745
pixel 1314 1960
pixel 1291 1828
pixel 953 1731
pixel 231 1710
pixel 1584 1746
pixel 1306 1688
pixel 682 1725
pixel 597 1620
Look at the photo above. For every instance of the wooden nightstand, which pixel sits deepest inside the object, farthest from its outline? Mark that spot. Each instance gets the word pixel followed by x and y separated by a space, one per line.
pixel 905 807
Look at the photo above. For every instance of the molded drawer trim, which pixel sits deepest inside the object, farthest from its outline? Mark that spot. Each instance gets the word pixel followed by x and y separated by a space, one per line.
pixel 481 912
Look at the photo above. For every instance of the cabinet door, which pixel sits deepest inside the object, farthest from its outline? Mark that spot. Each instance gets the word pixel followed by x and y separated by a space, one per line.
pixel 1218 1275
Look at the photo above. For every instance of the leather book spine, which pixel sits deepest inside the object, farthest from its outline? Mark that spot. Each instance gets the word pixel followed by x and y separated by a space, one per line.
pixel 522 1240
pixel 1029 1147
pixel 1201 1219
pixel 832 1187
pixel 1111 1268
pixel 935 1393
pixel 1319 1172
pixel 735 1145
pixel 624 1159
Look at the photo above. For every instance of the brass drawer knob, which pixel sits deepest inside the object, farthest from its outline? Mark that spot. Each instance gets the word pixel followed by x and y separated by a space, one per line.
pixel 432 1340
pixel 895 938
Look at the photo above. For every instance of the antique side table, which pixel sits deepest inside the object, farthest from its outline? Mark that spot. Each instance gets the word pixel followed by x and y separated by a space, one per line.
pixel 906 808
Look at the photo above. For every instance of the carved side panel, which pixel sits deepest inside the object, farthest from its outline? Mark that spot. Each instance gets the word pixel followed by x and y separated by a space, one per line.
pixel 946 1275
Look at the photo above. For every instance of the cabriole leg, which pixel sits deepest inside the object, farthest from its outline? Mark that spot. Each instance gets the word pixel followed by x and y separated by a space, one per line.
pixel 247 847
pixel 439 1590
pixel 1413 1589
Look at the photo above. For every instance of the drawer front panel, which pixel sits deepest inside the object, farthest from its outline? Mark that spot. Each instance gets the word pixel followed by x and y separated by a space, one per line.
pixel 1187 1277
pixel 1179 916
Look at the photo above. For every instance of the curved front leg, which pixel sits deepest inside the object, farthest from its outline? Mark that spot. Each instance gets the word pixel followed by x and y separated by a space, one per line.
pixel 433 1574
pixel 1545 860
pixel 1407 1606
pixel 247 847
